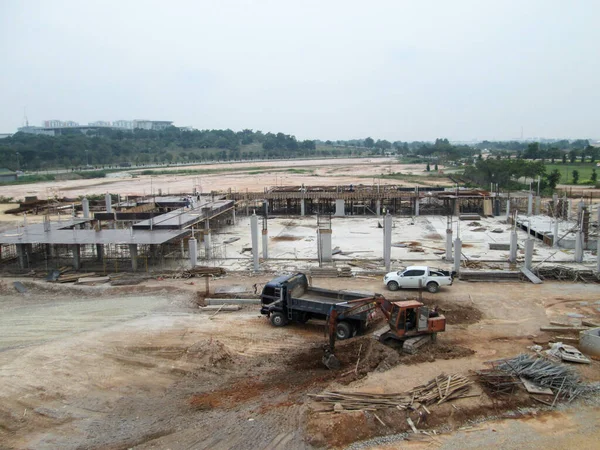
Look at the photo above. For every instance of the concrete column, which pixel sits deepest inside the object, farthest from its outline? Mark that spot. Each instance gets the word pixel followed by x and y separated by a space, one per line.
pixel 387 241
pixel 507 209
pixel 578 247
pixel 457 207
pixel 193 251
pixel 457 254
pixel 265 243
pixel 449 244
pixel 108 202
pixel 416 206
pixel 233 216
pixel 85 204
pixel 99 252
pixel 254 235
pixel 378 208
pixel 514 247
pixel 266 206
pixel 538 205
pixel 598 255
pixel 580 206
pixel 569 208
pixel 556 236
pixel 302 207
pixel 324 242
pixel 21 256
pixel 133 252
pixel 339 208
pixel 528 253
pixel 182 248
pixel 530 204
pixel 555 204
pixel 76 256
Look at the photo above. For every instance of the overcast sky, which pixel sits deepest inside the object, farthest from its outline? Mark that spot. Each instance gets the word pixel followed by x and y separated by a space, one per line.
pixel 396 70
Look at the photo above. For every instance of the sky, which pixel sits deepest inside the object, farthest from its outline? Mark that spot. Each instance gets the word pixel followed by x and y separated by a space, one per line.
pixel 397 70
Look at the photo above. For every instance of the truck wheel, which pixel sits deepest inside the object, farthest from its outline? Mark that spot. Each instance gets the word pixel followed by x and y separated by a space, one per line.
pixel 278 319
pixel 433 287
pixel 343 330
pixel 393 286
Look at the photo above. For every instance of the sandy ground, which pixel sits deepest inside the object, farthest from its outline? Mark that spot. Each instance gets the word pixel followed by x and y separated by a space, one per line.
pixel 140 367
pixel 330 172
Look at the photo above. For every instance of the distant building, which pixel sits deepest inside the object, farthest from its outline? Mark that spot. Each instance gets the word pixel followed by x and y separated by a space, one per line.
pixel 60 124
pixel 124 124
pixel 99 123
pixel 152 124
pixel 37 130
pixel 7 175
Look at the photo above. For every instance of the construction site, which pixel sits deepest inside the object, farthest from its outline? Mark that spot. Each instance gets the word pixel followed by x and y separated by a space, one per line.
pixel 151 312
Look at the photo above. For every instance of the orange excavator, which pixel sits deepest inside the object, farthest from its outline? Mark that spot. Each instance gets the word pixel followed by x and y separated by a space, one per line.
pixel 409 322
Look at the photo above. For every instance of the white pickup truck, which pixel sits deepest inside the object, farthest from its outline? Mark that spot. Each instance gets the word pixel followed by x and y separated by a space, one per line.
pixel 415 277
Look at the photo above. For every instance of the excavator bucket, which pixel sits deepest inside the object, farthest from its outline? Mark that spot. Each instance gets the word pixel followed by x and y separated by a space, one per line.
pixel 330 361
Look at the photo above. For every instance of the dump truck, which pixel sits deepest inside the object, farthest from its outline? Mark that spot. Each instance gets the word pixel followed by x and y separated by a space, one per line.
pixel 291 299
pixel 409 322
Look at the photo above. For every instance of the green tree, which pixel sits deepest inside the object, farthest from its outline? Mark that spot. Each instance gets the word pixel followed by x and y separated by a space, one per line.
pixel 564 158
pixel 553 179
pixel 428 167
pixel 575 175
pixel 572 156
pixel 436 167
pixel 369 142
pixel 594 176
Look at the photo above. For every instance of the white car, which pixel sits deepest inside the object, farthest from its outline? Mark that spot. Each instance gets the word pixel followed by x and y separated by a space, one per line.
pixel 416 277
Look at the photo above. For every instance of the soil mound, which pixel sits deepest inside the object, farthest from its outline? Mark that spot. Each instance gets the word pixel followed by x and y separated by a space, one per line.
pixel 209 352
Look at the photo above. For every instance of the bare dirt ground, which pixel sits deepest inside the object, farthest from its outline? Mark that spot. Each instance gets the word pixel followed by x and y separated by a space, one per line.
pixel 141 367
pixel 329 172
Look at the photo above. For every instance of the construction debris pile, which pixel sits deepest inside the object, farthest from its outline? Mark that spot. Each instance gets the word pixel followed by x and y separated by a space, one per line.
pixel 440 389
pixel 564 273
pixel 539 375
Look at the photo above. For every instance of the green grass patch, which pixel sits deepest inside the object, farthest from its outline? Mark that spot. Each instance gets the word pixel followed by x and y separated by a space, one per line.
pixel 566 171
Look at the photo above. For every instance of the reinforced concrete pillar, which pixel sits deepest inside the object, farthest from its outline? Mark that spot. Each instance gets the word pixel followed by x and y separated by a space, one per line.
pixel 265 243
pixel 133 252
pixel 99 252
pixel 339 208
pixel 378 208
pixel 182 248
pixel 578 247
pixel 507 209
pixel 448 244
pixel 76 256
pixel 569 207
pixel 417 206
pixel 528 253
pixel 387 241
pixel 85 204
pixel 598 255
pixel 580 206
pixel 538 205
pixel 21 256
pixel 193 251
pixel 457 254
pixel 302 207
pixel 324 241
pixel 233 216
pixel 514 247
pixel 108 202
pixel 254 235
pixel 556 237
pixel 530 204
pixel 266 204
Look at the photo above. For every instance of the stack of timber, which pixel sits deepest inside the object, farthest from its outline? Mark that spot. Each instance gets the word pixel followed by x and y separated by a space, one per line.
pixel 73 277
pixel 564 273
pixel 469 217
pixel 201 271
pixel 323 272
pixel 440 389
pixel 490 275
pixel 345 271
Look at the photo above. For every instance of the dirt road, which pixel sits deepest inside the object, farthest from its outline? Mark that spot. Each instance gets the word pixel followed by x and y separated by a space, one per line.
pixel 142 367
